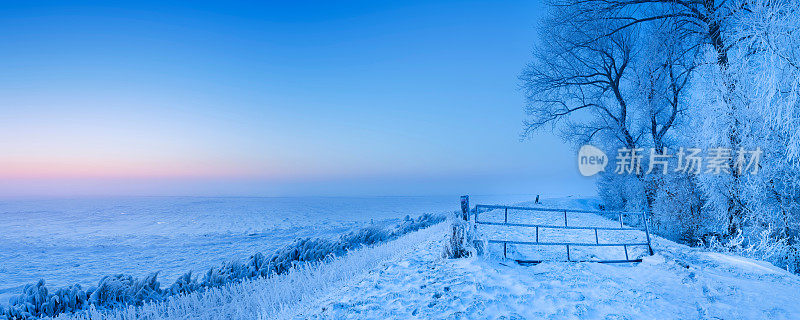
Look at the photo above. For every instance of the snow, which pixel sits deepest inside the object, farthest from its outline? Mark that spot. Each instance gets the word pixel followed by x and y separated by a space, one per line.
pixel 745 264
pixel 409 279
pixel 575 219
pixel 82 240
pixel 677 283
pixel 276 296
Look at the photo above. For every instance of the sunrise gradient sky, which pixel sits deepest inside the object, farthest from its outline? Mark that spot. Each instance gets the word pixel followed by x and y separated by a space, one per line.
pixel 259 98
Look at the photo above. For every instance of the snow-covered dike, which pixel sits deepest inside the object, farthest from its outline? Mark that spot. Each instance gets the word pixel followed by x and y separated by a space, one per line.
pixel 665 286
pixel 409 279
pixel 677 283
pixel 68 241
pixel 266 298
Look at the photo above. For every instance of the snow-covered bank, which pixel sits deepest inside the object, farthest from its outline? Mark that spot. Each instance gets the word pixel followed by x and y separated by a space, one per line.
pixel 424 286
pixel 121 291
pixel 278 296
pixel 678 282
pixel 69 241
pixel 408 278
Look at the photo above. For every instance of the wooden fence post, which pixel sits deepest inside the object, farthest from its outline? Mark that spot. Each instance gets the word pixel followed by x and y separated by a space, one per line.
pixel 465 208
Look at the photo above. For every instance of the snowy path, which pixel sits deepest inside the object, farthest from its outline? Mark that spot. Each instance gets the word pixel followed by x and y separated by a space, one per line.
pixel 677 283
pixel 269 298
pixel 408 279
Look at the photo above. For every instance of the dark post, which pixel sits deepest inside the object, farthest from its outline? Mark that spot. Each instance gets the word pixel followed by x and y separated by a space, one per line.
pixel 465 208
pixel 596 238
pixel 647 232
pixel 568 258
pixel 626 252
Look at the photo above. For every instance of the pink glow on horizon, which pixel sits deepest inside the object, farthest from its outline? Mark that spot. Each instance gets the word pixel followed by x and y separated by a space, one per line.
pixel 98 168
pixel 38 168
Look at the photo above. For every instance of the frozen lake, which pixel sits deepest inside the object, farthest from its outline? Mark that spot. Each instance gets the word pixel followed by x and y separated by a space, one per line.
pixel 80 240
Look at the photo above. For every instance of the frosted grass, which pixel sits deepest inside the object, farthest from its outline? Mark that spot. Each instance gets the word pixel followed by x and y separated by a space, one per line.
pixel 269 298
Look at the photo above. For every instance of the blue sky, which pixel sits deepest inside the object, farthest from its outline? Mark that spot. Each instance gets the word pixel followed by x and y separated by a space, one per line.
pixel 259 98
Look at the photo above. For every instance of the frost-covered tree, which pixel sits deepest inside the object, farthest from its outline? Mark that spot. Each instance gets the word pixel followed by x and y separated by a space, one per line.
pixel 613 89
pixel 582 84
pixel 578 85
pixel 698 73
pixel 664 69
pixel 701 24
pixel 765 69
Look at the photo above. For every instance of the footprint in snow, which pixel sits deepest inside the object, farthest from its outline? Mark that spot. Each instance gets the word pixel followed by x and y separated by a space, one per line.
pixel 572 296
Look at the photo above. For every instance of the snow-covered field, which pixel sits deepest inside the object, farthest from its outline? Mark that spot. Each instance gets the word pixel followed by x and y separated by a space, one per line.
pixel 68 241
pixel 409 279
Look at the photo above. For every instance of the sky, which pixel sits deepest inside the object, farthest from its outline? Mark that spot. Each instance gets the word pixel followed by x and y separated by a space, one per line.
pixel 272 99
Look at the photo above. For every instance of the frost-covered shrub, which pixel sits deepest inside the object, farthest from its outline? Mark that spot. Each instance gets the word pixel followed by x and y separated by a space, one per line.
pixel 36 301
pixel 303 250
pixel 678 212
pixel 120 289
pixel 459 244
pixel 184 285
pixel 228 272
pixel 424 221
pixel 369 235
pixel 766 245
pixel 620 192
pixel 125 290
